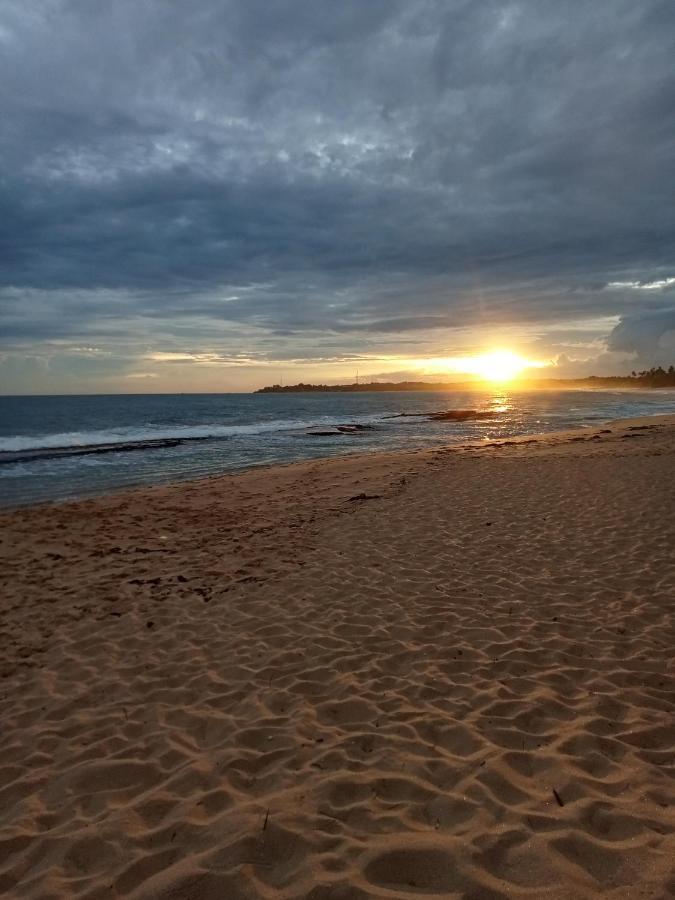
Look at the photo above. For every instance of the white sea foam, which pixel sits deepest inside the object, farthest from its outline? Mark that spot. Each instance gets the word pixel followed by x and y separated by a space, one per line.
pixel 82 439
pixel 15 443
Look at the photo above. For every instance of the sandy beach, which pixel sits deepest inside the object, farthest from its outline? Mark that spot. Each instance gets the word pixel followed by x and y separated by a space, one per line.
pixel 439 673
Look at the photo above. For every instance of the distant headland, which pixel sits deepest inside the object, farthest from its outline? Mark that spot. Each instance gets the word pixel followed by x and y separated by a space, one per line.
pixel 649 378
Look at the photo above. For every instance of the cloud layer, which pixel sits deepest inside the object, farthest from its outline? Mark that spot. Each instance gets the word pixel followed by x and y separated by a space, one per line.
pixel 313 180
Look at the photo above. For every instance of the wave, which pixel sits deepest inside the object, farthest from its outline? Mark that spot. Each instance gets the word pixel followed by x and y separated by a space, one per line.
pixel 75 439
pixel 24 448
pixel 15 456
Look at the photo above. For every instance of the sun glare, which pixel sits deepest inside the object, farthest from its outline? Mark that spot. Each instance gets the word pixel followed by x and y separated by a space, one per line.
pixel 499 365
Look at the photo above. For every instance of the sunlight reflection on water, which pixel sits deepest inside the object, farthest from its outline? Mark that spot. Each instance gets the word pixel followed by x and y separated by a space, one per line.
pixel 238 431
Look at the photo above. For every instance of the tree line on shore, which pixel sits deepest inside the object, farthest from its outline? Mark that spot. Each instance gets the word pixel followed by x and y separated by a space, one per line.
pixel 656 377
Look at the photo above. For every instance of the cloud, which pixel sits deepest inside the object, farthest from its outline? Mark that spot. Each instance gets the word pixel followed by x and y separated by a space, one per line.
pixel 657 285
pixel 650 336
pixel 252 178
pixel 202 359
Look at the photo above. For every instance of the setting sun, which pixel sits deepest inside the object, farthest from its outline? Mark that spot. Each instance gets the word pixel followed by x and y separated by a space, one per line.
pixel 495 365
pixel 499 365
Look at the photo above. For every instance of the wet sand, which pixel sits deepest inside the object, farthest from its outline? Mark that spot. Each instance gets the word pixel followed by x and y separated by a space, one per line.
pixel 444 673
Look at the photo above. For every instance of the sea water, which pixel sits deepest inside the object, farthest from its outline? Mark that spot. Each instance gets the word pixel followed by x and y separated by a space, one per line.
pixel 151 439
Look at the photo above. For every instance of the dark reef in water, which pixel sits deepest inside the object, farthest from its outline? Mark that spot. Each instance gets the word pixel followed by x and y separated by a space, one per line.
pixel 449 415
pixel 332 430
pixel 14 456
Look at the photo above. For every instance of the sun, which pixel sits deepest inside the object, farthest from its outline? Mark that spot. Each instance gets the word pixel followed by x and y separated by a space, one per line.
pixel 498 365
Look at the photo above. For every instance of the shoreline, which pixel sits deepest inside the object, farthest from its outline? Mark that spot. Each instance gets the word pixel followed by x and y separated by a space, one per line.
pixel 445 671
pixel 368 454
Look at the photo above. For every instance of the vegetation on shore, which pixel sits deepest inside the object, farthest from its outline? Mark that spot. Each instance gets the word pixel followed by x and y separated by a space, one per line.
pixel 648 378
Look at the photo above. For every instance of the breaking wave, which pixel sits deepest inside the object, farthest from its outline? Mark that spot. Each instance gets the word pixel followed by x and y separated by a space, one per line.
pixel 24 448
pixel 18 448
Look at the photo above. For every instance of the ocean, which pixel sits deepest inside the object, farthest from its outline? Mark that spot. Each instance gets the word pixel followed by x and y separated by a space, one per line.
pixel 56 448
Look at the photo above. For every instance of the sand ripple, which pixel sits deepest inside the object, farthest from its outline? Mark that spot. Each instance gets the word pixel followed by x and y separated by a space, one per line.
pixel 254 687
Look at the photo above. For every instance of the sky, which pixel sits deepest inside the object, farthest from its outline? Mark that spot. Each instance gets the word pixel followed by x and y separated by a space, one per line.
pixel 215 196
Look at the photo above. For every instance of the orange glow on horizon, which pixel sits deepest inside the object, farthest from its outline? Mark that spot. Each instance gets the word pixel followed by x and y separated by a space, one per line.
pixel 497 366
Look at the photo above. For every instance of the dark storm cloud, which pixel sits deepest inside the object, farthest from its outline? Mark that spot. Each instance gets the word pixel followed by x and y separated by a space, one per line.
pixel 310 167
pixel 650 336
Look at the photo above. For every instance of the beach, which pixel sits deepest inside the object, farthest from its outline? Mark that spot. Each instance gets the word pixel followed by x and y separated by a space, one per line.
pixel 446 672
